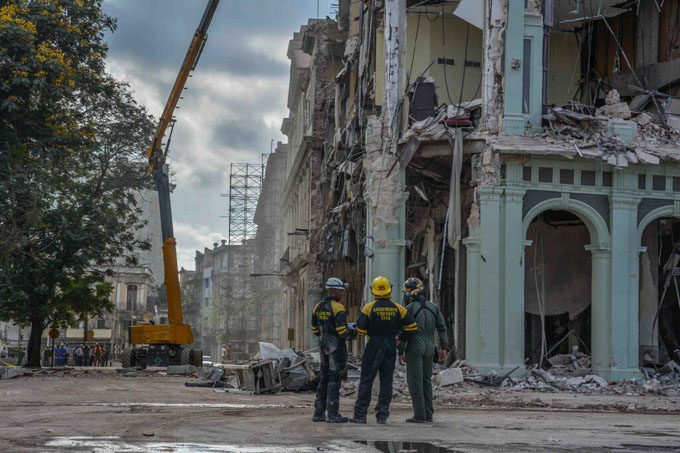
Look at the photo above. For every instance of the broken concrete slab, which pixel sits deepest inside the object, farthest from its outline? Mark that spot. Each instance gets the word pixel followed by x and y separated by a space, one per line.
pixel 623 130
pixel 644 119
pixel 673 122
pixel 449 376
pixel 646 158
pixel 178 369
pixel 619 110
pixel 9 372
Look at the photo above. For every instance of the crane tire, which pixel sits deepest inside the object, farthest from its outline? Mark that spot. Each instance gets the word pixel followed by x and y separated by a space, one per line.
pixel 126 358
pixel 197 358
pixel 185 356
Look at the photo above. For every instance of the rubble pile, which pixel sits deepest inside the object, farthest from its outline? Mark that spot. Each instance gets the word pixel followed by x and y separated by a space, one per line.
pixel 618 133
pixel 437 127
pixel 272 370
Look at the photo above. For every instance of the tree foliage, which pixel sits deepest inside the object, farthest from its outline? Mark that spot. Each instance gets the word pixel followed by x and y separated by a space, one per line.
pixel 71 146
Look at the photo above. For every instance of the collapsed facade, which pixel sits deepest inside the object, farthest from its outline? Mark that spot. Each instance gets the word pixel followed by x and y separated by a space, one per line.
pixel 519 157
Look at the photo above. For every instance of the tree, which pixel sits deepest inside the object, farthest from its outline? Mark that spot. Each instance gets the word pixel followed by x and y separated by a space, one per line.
pixel 71 146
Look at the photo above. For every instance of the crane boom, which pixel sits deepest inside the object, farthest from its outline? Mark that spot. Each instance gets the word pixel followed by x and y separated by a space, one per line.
pixel 176 333
pixel 189 64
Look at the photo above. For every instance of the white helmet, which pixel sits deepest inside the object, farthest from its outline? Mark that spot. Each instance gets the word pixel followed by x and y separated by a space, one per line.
pixel 336 283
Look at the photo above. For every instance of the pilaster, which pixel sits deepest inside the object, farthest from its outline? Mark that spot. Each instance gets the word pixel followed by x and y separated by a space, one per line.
pixel 512 312
pixel 523 70
pixel 472 306
pixel 491 323
pixel 624 274
pixel 601 336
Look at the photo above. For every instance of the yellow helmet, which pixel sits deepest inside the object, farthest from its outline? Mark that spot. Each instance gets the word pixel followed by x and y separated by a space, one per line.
pixel 381 287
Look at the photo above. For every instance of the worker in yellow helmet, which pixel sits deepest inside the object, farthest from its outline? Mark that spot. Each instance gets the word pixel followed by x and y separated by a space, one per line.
pixel 382 320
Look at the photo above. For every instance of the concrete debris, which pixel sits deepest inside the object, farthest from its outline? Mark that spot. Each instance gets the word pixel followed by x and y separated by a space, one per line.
pixel 609 132
pixel 9 372
pixel 449 377
pixel 181 369
pixel 618 110
pixel 612 98
pixel 272 370
pixel 673 122
pixel 644 119
pixel 439 126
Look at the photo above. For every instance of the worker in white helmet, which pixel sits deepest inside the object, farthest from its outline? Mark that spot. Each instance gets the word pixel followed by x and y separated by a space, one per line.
pixel 329 323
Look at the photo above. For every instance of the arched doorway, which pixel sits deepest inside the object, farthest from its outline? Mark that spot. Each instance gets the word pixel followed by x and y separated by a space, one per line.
pixel 659 293
pixel 557 286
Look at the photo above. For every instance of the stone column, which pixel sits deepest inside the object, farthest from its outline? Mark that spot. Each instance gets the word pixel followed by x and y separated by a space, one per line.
pixel 472 306
pixel 600 337
pixel 624 299
pixel 512 341
pixel 523 69
pixel 489 335
pixel 385 195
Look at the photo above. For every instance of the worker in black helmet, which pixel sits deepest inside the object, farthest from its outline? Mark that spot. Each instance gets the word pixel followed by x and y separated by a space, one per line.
pixel 329 323
pixel 420 349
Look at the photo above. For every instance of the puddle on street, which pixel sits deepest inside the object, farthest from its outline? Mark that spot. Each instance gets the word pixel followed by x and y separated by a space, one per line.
pixel 109 444
pixel 407 447
pixel 206 405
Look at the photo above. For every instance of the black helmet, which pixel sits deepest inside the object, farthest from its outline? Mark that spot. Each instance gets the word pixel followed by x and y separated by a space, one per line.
pixel 413 287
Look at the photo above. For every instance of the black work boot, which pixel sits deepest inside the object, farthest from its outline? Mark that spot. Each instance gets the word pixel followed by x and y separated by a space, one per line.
pixel 336 418
pixel 415 420
pixel 381 420
pixel 358 419
pixel 318 417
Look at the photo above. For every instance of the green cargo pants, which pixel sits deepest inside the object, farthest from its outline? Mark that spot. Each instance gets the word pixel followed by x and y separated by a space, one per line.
pixel 419 358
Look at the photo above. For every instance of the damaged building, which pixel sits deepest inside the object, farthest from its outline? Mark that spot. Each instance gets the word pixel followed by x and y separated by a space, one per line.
pixel 521 157
pixel 233 295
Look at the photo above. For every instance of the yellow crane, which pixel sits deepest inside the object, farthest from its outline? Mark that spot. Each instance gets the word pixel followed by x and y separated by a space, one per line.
pixel 162 344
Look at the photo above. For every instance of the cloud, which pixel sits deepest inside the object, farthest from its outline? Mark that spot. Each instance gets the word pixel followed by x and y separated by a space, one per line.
pixel 234 103
pixel 194 237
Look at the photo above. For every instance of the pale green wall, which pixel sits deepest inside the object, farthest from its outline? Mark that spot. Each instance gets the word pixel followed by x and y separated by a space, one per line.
pixel 495 251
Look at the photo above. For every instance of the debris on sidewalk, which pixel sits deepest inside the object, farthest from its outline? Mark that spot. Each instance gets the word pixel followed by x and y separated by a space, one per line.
pixel 449 376
pixel 271 370
pixel 9 372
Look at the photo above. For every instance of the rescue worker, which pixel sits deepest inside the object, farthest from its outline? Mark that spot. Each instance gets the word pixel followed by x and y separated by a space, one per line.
pixel 329 323
pixel 420 349
pixel 382 320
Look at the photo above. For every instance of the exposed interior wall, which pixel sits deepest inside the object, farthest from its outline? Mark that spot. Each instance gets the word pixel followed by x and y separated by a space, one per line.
pixel 561 266
pixel 658 340
pixel 649 292
pixel 435 42
pixel 564 71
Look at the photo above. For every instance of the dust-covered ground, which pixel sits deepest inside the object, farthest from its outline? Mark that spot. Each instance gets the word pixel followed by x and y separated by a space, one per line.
pixel 99 410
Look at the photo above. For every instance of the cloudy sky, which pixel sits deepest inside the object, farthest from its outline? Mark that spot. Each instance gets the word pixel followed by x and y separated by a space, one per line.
pixel 235 100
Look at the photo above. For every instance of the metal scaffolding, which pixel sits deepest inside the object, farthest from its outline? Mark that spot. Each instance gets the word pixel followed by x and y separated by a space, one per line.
pixel 245 185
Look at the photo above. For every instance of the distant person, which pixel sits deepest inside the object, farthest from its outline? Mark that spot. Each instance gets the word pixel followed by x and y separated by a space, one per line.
pixel 93 358
pixel 98 354
pixel 3 353
pixel 78 355
pixel 60 355
pixel 86 354
pixel 106 356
